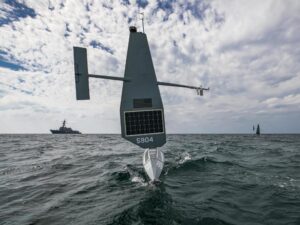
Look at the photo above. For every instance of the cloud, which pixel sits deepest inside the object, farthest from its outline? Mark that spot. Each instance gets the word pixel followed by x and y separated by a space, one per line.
pixel 13 10
pixel 245 51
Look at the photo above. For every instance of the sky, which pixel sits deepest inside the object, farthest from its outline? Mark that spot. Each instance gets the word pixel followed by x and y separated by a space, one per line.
pixel 246 52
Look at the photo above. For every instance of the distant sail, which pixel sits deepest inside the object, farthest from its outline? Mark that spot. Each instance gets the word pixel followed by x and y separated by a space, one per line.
pixel 258 130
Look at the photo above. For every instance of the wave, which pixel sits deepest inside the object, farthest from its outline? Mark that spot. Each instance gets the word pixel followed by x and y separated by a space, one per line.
pixel 104 182
pixel 157 207
pixel 132 174
pixel 187 163
pixel 184 157
pixel 206 221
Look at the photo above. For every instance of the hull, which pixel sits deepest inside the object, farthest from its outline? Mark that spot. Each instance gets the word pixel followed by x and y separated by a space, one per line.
pixel 64 132
pixel 153 161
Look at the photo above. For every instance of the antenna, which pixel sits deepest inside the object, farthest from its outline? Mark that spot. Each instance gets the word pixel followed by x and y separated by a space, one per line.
pixel 142 21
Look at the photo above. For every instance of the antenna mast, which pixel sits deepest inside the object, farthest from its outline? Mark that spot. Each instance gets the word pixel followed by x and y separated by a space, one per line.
pixel 142 21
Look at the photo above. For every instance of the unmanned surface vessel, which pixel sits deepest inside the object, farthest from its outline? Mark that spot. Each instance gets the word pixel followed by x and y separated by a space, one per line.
pixel 141 110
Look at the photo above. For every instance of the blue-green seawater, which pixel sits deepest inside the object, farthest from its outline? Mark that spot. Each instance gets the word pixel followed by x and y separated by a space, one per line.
pixel 99 179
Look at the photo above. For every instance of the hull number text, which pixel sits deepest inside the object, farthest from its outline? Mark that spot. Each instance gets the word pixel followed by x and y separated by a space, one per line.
pixel 144 140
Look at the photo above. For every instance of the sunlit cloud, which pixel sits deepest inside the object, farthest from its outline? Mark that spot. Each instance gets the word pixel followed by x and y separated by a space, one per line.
pixel 245 51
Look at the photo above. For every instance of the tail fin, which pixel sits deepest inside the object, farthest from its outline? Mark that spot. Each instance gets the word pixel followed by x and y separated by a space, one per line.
pixel 81 74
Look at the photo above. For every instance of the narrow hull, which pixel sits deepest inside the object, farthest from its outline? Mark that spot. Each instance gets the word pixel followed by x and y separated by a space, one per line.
pixel 153 161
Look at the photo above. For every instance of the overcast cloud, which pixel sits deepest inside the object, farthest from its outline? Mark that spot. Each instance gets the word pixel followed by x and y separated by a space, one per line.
pixel 247 52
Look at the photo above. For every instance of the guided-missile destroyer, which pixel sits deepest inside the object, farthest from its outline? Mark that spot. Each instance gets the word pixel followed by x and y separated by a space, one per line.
pixel 141 111
pixel 65 130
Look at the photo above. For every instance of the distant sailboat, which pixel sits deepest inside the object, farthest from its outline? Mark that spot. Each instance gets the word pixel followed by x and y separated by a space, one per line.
pixel 257 130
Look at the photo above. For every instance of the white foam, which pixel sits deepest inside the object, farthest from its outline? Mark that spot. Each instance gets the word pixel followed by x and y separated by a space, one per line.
pixel 139 180
pixel 184 157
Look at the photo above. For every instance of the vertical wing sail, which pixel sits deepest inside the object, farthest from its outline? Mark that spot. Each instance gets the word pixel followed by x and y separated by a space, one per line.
pixel 141 111
pixel 81 74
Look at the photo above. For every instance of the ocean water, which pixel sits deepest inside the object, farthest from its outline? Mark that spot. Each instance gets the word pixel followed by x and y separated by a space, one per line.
pixel 99 179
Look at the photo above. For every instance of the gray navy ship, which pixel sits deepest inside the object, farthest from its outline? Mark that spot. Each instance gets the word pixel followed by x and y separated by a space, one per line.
pixel 65 130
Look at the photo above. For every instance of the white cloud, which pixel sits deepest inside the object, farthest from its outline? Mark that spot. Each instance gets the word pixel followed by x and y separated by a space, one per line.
pixel 246 51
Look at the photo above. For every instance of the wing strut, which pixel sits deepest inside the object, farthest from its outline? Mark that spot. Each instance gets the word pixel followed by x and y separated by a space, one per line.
pixel 108 77
pixel 199 90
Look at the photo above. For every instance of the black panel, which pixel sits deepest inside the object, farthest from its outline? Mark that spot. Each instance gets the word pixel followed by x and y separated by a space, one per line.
pixel 142 103
pixel 144 122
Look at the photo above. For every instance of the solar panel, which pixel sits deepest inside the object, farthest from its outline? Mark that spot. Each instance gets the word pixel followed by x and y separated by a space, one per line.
pixel 144 122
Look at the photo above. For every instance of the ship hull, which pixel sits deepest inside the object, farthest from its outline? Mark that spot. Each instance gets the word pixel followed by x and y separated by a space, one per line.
pixel 64 132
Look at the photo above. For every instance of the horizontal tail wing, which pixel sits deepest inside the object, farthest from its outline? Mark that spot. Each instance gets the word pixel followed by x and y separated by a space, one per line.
pixel 81 74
